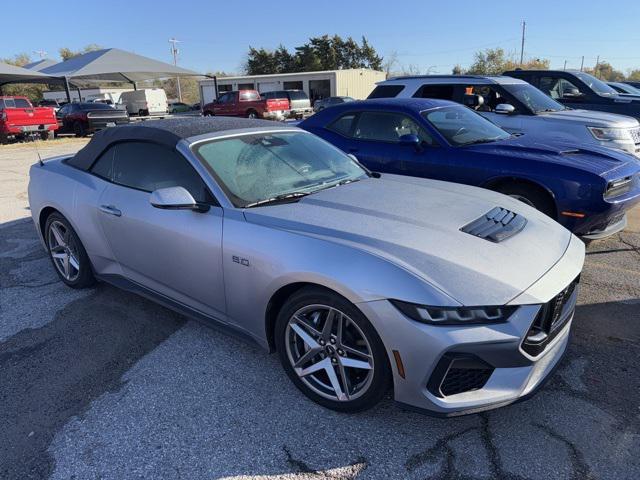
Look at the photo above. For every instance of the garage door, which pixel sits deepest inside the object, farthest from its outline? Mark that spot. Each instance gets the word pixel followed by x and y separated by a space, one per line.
pixel 268 86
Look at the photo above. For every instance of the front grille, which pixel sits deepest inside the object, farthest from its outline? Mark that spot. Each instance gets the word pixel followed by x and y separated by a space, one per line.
pixel 496 225
pixel 547 324
pixel 635 134
pixel 458 373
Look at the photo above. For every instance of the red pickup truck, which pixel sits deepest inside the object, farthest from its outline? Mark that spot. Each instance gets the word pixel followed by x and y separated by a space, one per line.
pixel 19 118
pixel 247 103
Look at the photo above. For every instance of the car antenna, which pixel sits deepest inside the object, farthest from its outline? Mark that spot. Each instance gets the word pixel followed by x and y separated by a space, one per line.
pixel 35 144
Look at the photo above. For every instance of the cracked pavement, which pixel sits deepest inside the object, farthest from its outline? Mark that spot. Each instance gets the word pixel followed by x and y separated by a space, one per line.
pixel 105 384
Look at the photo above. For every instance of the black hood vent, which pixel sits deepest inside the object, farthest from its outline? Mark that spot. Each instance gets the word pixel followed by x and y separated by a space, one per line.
pixel 496 225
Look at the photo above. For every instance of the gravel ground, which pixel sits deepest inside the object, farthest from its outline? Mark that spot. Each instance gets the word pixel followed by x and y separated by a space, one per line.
pixel 104 384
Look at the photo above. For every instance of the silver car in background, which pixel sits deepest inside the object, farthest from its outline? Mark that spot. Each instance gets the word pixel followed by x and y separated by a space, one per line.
pixel 520 108
pixel 458 298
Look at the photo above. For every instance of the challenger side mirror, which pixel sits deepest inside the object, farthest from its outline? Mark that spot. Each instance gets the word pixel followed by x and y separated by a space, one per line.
pixel 411 139
pixel 176 198
pixel 504 109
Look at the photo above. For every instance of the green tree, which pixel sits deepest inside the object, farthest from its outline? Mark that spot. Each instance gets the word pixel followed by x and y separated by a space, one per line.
pixel 634 75
pixel 606 72
pixel 494 61
pixel 318 53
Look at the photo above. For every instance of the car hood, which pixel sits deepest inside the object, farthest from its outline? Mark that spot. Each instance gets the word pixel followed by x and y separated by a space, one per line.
pixel 592 158
pixel 592 118
pixel 415 224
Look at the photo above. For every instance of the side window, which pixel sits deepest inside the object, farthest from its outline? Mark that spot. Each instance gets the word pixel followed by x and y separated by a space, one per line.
pixel 22 103
pixel 388 127
pixel 442 92
pixel 490 97
pixel 103 167
pixel 9 103
pixel 343 125
pixel 386 91
pixel 559 88
pixel 148 167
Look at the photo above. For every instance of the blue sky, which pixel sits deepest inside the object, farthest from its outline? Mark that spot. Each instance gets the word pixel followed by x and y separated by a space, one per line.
pixel 429 35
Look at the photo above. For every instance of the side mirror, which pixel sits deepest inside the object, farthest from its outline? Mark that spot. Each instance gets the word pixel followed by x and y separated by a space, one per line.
pixel 175 198
pixel 504 109
pixel 410 139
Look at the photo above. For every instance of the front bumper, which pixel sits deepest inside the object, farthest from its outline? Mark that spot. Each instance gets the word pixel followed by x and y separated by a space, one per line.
pixel 514 370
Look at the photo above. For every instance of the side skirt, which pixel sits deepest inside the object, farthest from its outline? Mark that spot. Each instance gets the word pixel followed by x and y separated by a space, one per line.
pixel 218 325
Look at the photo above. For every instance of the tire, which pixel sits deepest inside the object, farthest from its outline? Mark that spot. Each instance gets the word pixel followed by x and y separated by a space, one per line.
pixel 358 352
pixel 252 114
pixel 532 196
pixel 61 240
pixel 4 140
pixel 208 113
pixel 79 130
pixel 143 113
pixel 48 135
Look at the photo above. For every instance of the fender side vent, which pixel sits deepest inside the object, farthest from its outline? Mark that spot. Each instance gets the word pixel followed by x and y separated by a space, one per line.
pixel 496 225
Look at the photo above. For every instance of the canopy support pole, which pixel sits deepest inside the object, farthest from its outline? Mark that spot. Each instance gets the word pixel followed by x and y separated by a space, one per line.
pixel 79 93
pixel 66 89
pixel 135 87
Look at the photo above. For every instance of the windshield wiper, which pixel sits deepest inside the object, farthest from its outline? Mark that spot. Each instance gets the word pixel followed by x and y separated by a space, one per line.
pixel 283 198
pixel 480 140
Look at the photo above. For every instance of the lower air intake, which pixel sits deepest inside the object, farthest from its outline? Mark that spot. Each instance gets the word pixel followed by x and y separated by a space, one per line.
pixel 458 373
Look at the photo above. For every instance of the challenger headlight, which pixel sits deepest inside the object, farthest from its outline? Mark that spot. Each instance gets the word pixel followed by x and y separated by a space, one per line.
pixel 454 315
pixel 611 134
pixel 618 187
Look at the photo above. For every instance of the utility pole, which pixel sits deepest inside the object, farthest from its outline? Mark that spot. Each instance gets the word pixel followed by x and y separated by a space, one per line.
pixel 582 63
pixel 174 52
pixel 524 26
pixel 41 53
pixel 595 70
pixel 565 65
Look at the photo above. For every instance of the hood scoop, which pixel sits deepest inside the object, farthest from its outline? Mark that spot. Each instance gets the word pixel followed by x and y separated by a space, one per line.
pixel 496 225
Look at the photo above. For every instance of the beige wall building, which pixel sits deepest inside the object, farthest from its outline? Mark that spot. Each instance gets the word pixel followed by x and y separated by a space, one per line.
pixel 356 83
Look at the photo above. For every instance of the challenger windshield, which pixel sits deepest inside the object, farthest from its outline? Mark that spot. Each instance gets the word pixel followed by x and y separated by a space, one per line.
pixel 262 168
pixel 462 126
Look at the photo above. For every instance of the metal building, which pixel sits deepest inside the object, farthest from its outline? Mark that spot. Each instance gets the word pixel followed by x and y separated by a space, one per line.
pixel 356 83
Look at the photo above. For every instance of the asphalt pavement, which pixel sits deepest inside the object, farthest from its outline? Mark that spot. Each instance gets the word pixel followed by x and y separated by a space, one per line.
pixel 103 384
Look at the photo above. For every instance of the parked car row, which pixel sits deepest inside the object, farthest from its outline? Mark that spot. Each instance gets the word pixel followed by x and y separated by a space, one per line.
pixel 425 238
pixel 272 105
pixel 19 118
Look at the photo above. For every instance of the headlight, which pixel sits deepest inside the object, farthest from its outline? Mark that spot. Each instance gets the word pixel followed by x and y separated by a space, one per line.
pixel 611 134
pixel 618 187
pixel 454 315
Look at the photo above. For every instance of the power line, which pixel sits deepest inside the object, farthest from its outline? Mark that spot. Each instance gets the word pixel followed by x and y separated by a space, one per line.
pixel 174 52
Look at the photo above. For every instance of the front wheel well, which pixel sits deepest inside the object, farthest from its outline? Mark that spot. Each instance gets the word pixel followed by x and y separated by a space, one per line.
pixel 497 184
pixel 277 301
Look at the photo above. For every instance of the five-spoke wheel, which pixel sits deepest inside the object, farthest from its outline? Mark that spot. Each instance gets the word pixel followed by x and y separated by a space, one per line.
pixel 331 351
pixel 67 253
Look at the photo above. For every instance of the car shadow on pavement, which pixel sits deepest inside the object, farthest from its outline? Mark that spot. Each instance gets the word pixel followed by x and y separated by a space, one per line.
pixel 105 384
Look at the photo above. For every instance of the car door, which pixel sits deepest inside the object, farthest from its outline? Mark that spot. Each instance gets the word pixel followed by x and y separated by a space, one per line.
pixel 376 142
pixel 175 253
pixel 222 106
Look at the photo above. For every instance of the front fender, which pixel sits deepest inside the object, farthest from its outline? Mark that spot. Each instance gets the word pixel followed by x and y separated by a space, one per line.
pixel 259 260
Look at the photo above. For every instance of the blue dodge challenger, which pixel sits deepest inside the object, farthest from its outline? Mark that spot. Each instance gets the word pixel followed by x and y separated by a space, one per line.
pixel 588 190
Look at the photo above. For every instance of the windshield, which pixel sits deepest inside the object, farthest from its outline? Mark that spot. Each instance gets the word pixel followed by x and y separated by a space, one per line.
pixel 257 167
pixel 533 99
pixel 596 85
pixel 462 126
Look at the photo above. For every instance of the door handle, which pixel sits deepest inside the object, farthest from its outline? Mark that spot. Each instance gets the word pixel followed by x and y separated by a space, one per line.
pixel 111 210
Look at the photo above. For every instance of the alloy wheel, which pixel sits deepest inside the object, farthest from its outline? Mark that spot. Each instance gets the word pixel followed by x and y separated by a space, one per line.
pixel 329 352
pixel 64 251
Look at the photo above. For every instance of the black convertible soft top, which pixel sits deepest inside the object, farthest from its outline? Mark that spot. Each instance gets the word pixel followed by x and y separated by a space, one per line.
pixel 164 132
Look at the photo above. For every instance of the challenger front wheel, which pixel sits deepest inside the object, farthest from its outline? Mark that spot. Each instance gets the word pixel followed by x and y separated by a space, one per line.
pixel 331 351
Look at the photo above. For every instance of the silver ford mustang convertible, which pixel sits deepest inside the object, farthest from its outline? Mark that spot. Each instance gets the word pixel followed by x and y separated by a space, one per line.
pixel 457 298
